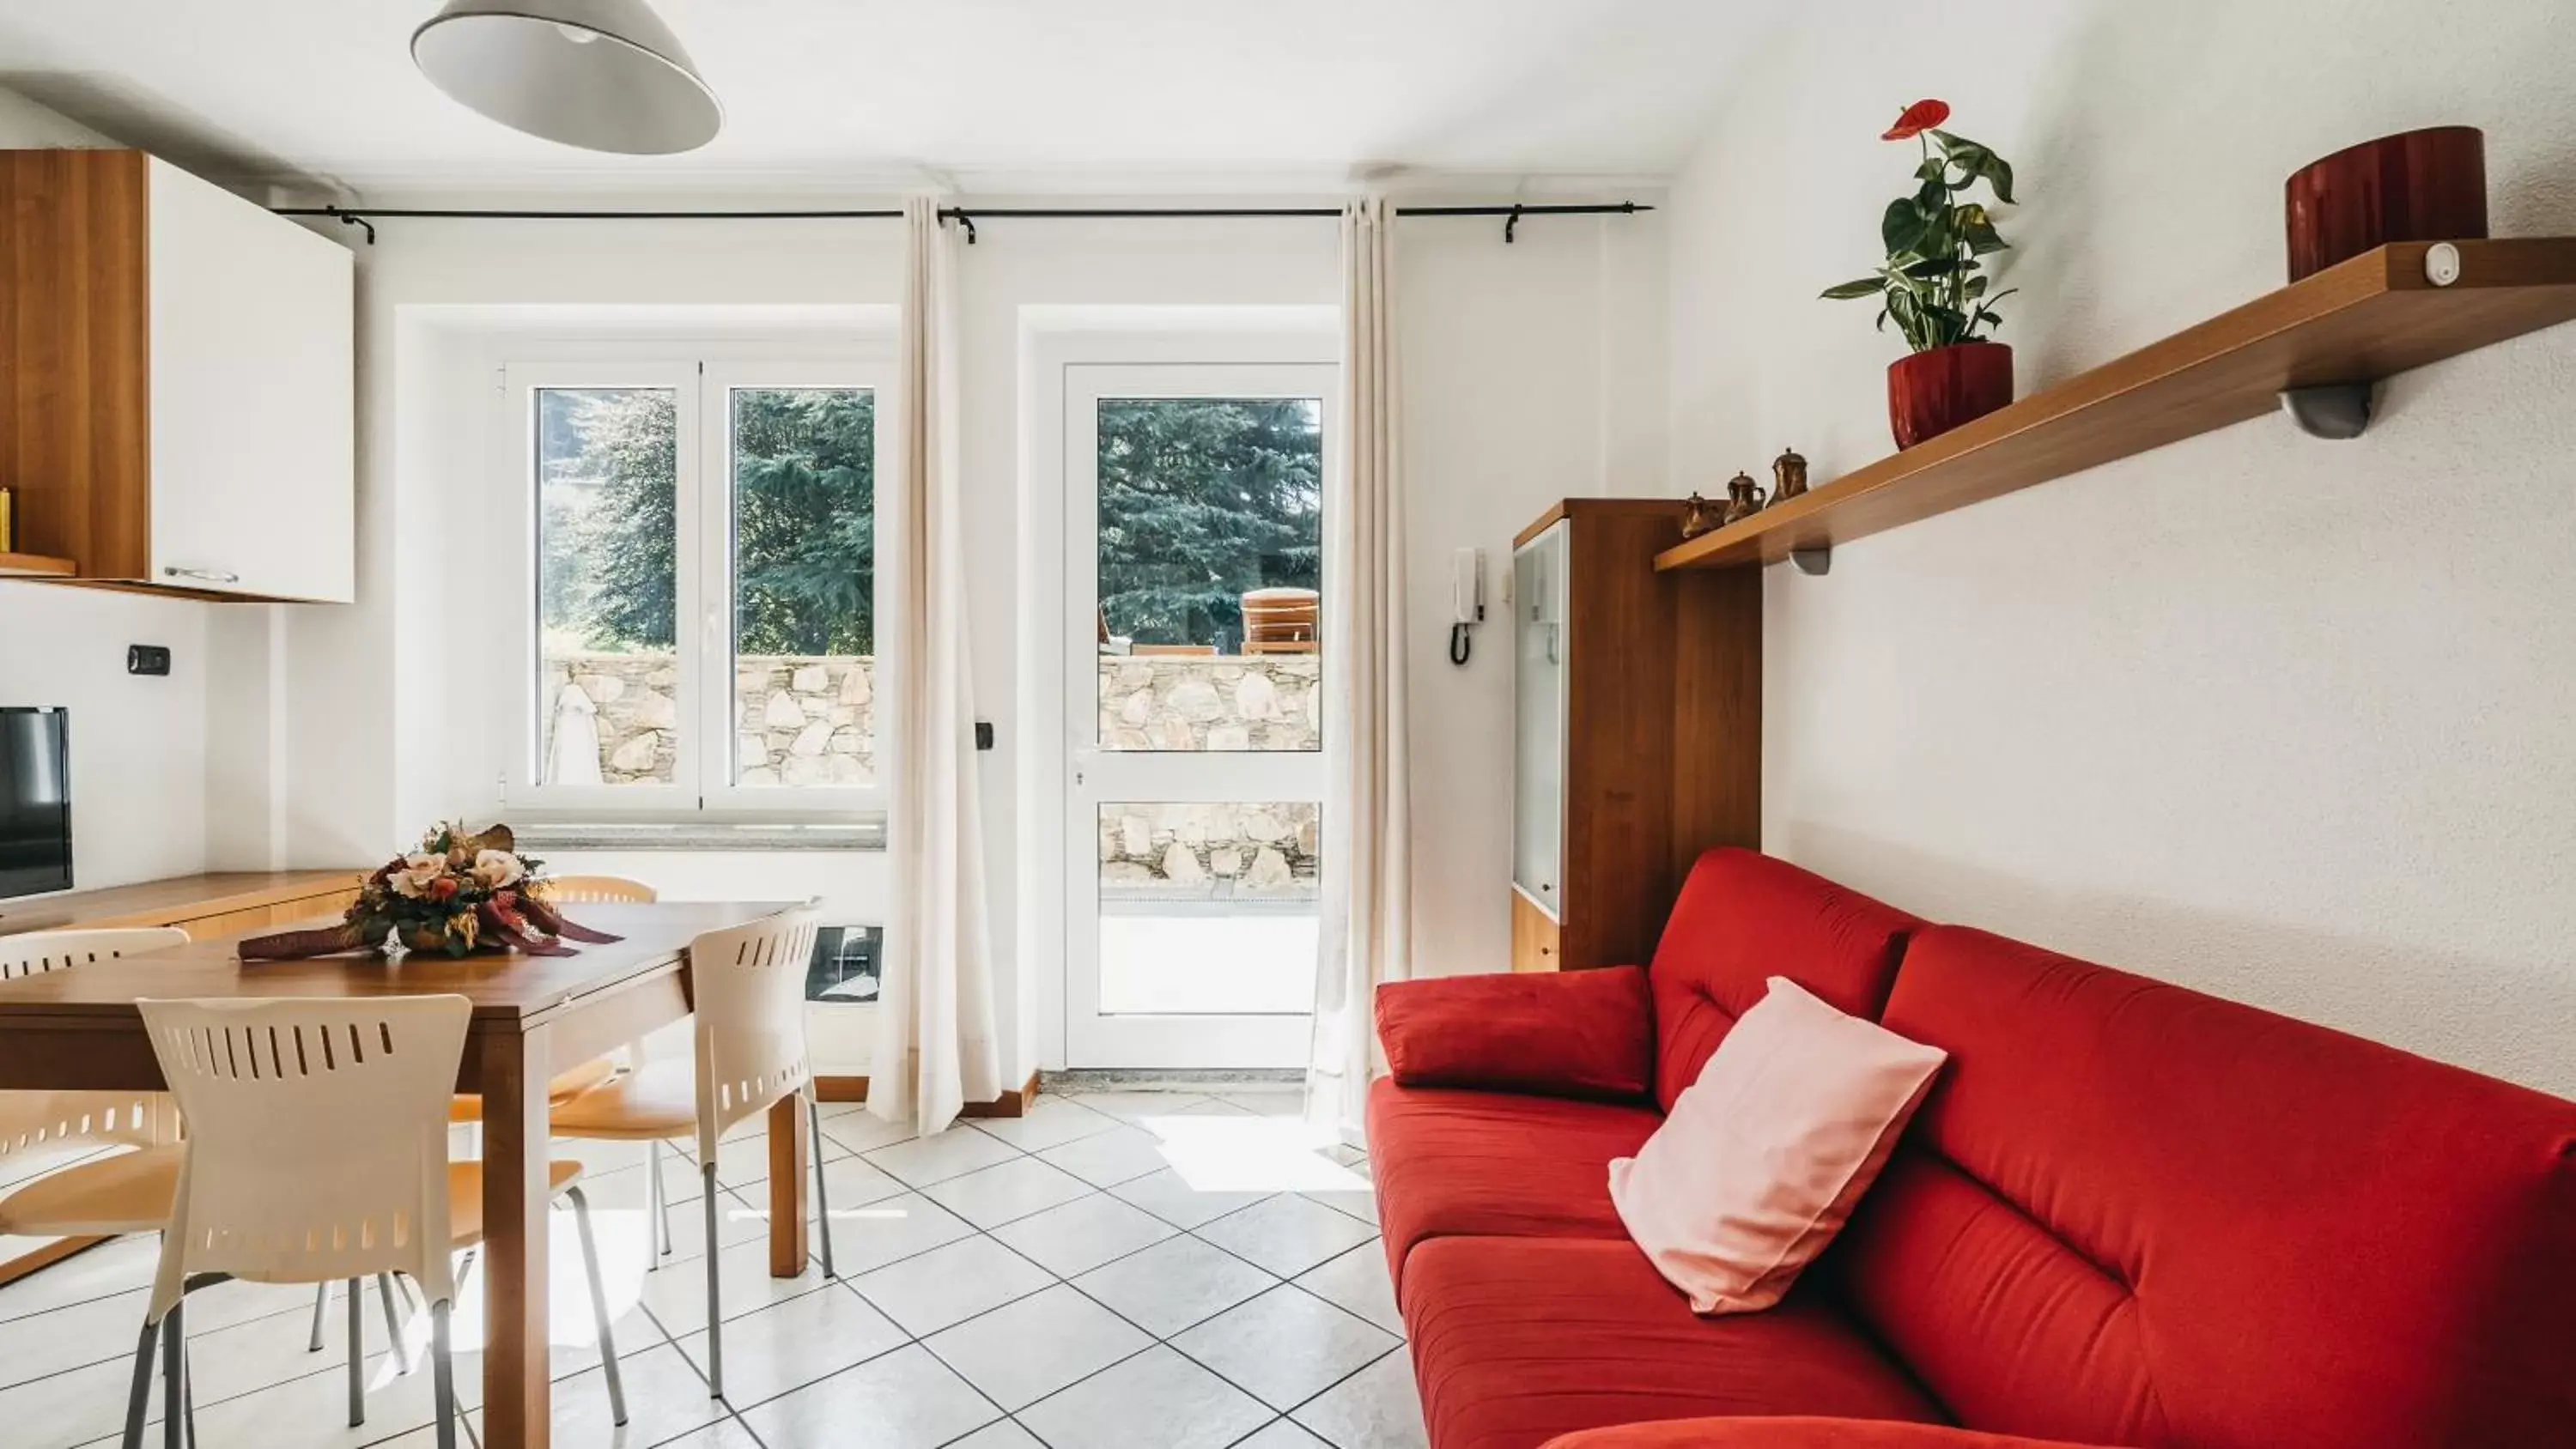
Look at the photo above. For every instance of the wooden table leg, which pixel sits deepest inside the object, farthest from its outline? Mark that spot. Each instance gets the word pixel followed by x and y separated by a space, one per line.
pixel 517 1392
pixel 788 1165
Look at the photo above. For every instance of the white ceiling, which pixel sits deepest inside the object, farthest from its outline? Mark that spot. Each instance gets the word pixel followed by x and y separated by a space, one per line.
pixel 848 94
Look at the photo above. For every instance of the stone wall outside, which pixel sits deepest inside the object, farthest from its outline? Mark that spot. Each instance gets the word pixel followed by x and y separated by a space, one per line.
pixel 799 719
pixel 811 720
pixel 1210 702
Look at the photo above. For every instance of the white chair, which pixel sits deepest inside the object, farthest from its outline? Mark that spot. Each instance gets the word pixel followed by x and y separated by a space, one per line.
pixel 748 997
pixel 100 1196
pixel 317 1152
pixel 37 952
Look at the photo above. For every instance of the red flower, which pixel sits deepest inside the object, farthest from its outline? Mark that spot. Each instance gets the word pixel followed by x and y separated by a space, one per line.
pixel 442 888
pixel 1918 118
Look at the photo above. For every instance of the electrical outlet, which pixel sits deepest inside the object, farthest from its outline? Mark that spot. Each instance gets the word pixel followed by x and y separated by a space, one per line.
pixel 147 659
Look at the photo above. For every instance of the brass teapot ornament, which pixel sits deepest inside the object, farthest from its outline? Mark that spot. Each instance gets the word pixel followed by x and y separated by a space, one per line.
pixel 1788 476
pixel 1699 515
pixel 1744 498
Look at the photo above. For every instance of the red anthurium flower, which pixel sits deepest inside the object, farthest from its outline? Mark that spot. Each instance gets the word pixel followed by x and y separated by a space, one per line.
pixel 1918 118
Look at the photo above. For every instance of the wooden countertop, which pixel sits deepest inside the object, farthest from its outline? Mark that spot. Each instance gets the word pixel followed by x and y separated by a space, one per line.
pixel 181 897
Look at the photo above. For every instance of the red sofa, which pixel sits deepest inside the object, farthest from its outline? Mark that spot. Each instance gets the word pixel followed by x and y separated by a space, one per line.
pixel 2127 1214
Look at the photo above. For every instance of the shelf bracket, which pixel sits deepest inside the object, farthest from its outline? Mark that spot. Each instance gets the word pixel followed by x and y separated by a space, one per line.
pixel 1814 560
pixel 2335 410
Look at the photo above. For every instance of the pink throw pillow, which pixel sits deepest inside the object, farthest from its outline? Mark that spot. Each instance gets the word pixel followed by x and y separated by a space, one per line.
pixel 1763 1157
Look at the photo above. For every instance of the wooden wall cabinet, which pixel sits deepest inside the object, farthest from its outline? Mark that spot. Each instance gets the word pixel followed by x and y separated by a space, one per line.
pixel 178 408
pixel 1637 728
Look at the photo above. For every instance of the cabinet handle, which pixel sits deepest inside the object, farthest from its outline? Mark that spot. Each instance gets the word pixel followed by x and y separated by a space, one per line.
pixel 212 576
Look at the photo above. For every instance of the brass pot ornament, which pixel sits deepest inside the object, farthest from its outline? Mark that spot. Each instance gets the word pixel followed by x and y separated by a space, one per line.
pixel 1744 498
pixel 1699 515
pixel 1788 476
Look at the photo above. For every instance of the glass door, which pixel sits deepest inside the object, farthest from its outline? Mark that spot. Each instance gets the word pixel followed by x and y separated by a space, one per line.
pixel 1194 694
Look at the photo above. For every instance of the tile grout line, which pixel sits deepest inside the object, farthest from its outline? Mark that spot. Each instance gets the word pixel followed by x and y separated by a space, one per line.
pixel 1160 1341
pixel 1154 1339
pixel 736 1191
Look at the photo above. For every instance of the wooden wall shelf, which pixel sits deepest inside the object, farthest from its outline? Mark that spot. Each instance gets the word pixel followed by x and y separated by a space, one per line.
pixel 2366 319
pixel 33 566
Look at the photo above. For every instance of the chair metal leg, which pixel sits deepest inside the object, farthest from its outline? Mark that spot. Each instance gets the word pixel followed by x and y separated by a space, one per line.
pixel 715 1291
pixel 357 1352
pixel 174 1377
pixel 660 1208
pixel 138 1399
pixel 822 1199
pixel 598 1304
pixel 321 1305
pixel 443 1375
pixel 393 1324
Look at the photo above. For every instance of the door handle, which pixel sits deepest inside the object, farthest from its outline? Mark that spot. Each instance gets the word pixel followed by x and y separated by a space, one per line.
pixel 212 576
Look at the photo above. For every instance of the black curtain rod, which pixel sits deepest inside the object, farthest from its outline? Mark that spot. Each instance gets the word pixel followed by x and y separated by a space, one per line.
pixel 966 216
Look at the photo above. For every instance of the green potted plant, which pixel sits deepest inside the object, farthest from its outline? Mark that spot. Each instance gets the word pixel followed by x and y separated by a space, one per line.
pixel 1934 286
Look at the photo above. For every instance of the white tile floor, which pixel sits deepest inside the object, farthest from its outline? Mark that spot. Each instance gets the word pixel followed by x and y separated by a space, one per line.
pixel 1115 1270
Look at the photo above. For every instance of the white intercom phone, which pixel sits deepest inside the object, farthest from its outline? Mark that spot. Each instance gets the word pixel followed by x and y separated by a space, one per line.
pixel 1466 599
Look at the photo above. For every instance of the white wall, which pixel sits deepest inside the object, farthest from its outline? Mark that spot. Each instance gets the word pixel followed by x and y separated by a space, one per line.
pixel 2288 720
pixel 1533 371
pixel 138 745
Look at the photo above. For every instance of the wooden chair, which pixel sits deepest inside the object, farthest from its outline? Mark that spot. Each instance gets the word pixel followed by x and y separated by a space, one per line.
pixel 317 1152
pixel 747 987
pixel 1280 621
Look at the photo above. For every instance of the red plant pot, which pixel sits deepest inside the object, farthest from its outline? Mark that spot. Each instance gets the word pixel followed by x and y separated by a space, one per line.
pixel 1929 393
pixel 2426 185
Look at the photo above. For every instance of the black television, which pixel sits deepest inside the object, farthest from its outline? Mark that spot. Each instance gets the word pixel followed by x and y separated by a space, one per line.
pixel 35 800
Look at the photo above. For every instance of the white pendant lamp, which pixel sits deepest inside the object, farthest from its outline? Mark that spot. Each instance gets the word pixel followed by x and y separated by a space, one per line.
pixel 605 75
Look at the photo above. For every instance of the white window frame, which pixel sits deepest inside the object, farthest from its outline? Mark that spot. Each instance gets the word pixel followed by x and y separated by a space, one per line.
pixel 702 380
pixel 1053 338
pixel 1096 776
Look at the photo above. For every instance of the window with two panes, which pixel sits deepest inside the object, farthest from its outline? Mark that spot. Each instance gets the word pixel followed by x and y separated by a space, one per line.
pixel 704 591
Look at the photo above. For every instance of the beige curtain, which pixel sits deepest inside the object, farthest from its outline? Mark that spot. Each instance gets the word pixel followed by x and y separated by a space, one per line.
pixel 1367 831
pixel 935 1048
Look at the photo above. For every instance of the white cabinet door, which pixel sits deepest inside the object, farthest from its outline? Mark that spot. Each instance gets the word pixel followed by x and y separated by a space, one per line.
pixel 253 482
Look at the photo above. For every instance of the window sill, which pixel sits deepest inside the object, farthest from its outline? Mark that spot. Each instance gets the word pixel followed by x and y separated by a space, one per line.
pixel 541 837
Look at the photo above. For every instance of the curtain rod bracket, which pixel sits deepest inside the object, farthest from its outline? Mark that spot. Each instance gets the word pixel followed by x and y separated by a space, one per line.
pixel 351 218
pixel 1512 225
pixel 965 221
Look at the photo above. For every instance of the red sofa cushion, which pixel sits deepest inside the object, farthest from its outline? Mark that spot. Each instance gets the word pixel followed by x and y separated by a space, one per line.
pixel 1567 1034
pixel 1451 1163
pixel 1742 918
pixel 2131 1213
pixel 1518 1340
pixel 1795 1433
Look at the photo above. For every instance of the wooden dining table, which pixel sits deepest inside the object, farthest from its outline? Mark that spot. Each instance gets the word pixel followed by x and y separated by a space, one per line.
pixel 533 1016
